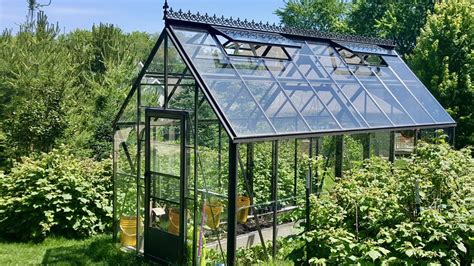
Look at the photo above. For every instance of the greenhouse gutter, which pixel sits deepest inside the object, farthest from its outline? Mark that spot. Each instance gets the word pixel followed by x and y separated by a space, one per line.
pixel 336 132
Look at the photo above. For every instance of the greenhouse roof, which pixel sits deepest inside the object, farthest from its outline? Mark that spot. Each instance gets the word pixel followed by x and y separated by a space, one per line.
pixel 268 82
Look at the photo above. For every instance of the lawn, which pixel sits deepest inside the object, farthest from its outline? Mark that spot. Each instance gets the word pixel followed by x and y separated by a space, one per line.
pixel 97 250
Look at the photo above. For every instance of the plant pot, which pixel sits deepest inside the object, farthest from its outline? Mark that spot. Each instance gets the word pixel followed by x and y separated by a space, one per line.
pixel 244 203
pixel 128 231
pixel 173 227
pixel 213 212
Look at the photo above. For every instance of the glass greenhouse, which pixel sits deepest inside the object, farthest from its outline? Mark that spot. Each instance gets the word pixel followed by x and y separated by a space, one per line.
pixel 214 144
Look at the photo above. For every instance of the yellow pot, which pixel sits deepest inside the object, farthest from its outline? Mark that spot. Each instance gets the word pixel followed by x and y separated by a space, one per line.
pixel 213 212
pixel 173 227
pixel 128 229
pixel 242 215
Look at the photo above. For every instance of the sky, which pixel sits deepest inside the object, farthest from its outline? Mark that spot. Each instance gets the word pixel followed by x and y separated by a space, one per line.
pixel 132 15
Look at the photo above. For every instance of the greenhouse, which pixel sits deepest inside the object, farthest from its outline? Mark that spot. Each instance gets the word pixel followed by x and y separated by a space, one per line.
pixel 232 124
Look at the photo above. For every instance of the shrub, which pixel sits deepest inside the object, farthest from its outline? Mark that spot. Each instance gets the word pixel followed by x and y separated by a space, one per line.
pixel 420 212
pixel 55 193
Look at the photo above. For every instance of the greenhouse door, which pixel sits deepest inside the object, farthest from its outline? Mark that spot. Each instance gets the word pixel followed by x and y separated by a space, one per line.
pixel 165 183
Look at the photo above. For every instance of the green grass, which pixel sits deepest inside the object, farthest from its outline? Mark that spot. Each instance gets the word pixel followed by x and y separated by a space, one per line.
pixel 97 250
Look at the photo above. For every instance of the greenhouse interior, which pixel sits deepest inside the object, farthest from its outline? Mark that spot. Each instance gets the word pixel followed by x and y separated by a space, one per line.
pixel 231 125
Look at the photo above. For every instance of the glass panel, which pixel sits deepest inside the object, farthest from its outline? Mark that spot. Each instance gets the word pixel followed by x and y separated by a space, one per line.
pixel 165 147
pixel 239 107
pixel 270 96
pixel 329 93
pixel 319 49
pixel 164 187
pixel 277 106
pixel 257 37
pixel 302 95
pixel 230 92
pixel 164 216
pixel 350 87
pixel 341 108
pixel 418 90
pixel 382 96
pixel 165 174
pixel 406 99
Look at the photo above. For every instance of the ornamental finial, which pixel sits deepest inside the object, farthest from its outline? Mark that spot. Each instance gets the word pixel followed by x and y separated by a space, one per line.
pixel 165 9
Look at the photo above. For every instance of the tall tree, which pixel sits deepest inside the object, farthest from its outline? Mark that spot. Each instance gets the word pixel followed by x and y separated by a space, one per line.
pixel 324 15
pixel 398 20
pixel 444 61
pixel 365 14
pixel 34 75
pixel 402 22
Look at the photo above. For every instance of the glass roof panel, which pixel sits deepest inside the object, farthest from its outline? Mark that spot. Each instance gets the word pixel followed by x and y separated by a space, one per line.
pixel 230 92
pixel 256 37
pixel 313 92
pixel 382 96
pixel 404 96
pixel 268 93
pixel 290 78
pixel 350 87
pixel 417 88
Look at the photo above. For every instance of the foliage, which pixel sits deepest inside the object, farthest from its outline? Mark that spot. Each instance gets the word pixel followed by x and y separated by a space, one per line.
pixel 54 86
pixel 55 193
pixel 400 20
pixel 444 61
pixel 105 63
pixel 420 213
pixel 315 14
pixel 33 79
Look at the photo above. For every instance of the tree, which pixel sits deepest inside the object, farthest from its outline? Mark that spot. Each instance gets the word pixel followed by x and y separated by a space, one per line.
pixel 364 15
pixel 444 61
pixel 105 62
pixel 397 20
pixel 402 22
pixel 34 74
pixel 324 15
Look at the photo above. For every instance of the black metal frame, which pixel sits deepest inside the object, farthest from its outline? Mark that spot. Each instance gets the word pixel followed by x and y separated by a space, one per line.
pixel 189 20
pixel 183 117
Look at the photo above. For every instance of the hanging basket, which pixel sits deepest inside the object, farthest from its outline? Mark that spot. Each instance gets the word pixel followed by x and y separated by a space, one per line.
pixel 128 231
pixel 173 227
pixel 243 204
pixel 213 212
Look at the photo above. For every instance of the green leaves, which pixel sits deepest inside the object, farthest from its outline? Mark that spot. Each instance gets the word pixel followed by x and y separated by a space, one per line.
pixel 370 216
pixel 55 193
pixel 443 60
pixel 374 255
pixel 461 247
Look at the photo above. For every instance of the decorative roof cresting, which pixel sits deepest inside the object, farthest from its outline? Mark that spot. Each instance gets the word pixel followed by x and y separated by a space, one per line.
pixel 260 26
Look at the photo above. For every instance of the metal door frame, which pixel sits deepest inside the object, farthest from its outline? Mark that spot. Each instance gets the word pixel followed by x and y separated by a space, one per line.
pixel 180 242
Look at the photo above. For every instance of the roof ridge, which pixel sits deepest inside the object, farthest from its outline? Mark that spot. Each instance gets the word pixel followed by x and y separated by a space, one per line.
pixel 261 26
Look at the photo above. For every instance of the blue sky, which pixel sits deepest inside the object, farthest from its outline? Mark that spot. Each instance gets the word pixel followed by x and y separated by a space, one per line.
pixel 133 15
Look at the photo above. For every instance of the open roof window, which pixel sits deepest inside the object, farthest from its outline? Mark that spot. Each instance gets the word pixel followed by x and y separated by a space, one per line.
pixel 254 43
pixel 363 53
pixel 353 58
pixel 365 48
pixel 256 37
